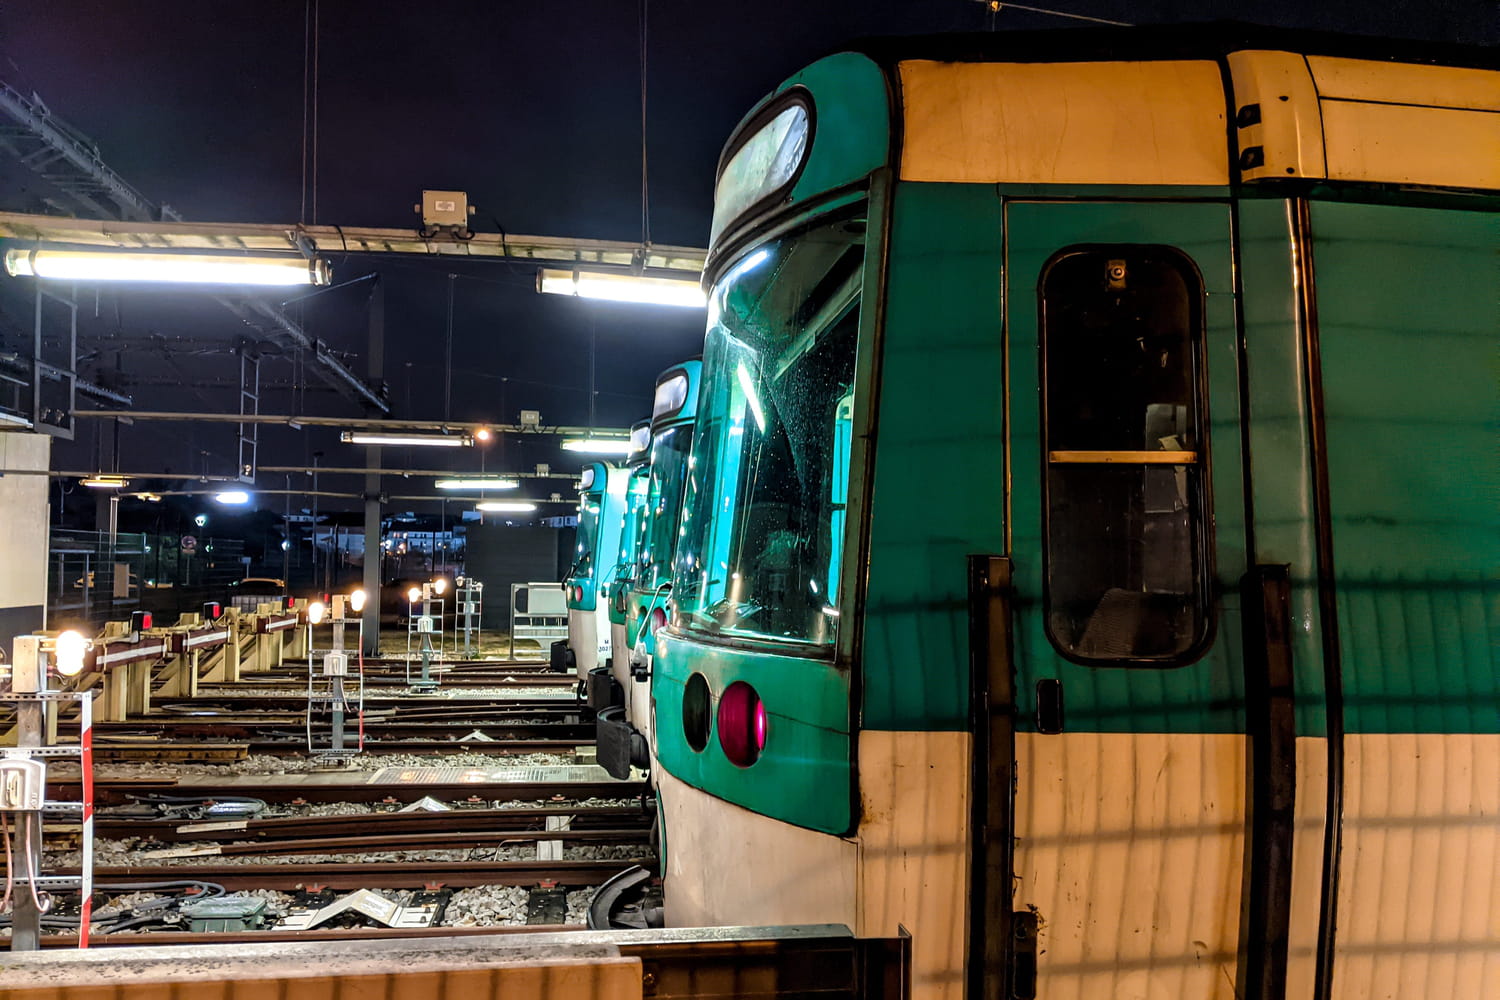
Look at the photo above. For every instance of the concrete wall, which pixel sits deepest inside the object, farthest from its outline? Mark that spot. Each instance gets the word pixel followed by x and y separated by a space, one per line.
pixel 23 533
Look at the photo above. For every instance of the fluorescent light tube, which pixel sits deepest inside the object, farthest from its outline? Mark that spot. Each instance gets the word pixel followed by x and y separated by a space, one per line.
pixel 506 506
pixel 133 265
pixel 598 446
pixel 415 440
pixel 615 287
pixel 476 484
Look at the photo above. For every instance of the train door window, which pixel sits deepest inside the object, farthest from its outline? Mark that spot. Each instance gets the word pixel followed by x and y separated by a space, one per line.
pixel 1127 560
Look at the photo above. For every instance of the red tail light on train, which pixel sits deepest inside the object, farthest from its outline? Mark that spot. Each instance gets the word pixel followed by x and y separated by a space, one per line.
pixel 743 724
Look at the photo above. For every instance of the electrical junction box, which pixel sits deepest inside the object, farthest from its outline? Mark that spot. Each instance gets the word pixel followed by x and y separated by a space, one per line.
pixel 226 913
pixel 531 419
pixel 335 664
pixel 446 208
pixel 23 784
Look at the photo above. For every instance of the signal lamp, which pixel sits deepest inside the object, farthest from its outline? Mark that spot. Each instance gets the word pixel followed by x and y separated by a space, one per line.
pixel 212 610
pixel 414 595
pixel 743 724
pixel 439 586
pixel 290 603
pixel 357 601
pixel 315 612
pixel 67 652
pixel 140 621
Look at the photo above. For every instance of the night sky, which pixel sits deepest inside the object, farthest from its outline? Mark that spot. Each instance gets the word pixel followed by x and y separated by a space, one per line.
pixel 533 109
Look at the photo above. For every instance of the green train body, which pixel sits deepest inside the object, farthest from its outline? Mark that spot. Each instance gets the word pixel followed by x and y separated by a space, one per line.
pixel 1089 554
pixel 642 582
pixel 601 500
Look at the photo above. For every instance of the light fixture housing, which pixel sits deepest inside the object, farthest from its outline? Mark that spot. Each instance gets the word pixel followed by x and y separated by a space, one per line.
pixel 439 586
pixel 497 483
pixel 505 507
pixel 104 482
pixel 357 601
pixel 233 498
pixel 614 286
pixel 315 612
pixel 597 445
pixel 409 440
pixel 414 595
pixel 183 268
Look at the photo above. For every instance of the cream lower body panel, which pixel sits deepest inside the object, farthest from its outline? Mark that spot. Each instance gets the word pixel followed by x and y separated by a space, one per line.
pixel 1419 885
pixel 727 865
pixel 907 867
pixel 619 658
pixel 638 707
pixel 584 639
pixel 1131 850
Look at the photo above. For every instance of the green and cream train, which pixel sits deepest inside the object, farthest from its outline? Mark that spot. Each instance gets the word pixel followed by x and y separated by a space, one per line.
pixel 642 580
pixel 1089 555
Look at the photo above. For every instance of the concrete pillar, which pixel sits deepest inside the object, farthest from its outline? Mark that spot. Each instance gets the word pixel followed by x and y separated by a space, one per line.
pixel 24 459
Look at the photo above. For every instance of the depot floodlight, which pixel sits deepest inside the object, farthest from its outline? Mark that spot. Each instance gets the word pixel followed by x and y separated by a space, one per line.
pixel 357 601
pixel 414 595
pixel 67 652
pixel 149 497
pixel 483 434
pixel 182 268
pixel 439 586
pixel 408 440
pixel 639 289
pixel 233 498
pixel 315 612
pixel 104 482
pixel 505 507
pixel 492 483
pixel 598 445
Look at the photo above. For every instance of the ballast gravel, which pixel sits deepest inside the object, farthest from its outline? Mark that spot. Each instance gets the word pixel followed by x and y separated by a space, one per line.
pixel 266 764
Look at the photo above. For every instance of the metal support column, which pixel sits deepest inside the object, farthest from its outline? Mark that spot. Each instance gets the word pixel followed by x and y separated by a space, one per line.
pixel 375 361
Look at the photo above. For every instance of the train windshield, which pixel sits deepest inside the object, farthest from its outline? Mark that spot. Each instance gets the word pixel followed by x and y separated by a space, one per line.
pixel 762 530
pixel 588 537
pixel 669 454
pixel 635 512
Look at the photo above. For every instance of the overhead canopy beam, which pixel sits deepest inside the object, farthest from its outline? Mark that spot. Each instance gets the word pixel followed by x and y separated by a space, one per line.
pixel 357 423
pixel 76 169
pixel 406 473
pixel 663 261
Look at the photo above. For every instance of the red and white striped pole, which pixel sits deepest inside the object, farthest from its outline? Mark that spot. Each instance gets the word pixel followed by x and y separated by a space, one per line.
pixel 86 866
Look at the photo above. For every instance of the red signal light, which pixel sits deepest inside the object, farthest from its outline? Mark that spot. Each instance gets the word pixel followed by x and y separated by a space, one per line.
pixel 212 610
pixel 744 724
pixel 140 621
pixel 291 602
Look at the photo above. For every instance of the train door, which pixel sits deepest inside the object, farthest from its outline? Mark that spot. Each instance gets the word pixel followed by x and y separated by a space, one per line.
pixel 1127 543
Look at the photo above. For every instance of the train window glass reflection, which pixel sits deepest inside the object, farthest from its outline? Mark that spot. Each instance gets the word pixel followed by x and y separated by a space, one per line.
pixel 1127 562
pixel 763 531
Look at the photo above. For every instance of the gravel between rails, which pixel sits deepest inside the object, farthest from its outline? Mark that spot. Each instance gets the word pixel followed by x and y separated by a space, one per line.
pixel 268 764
